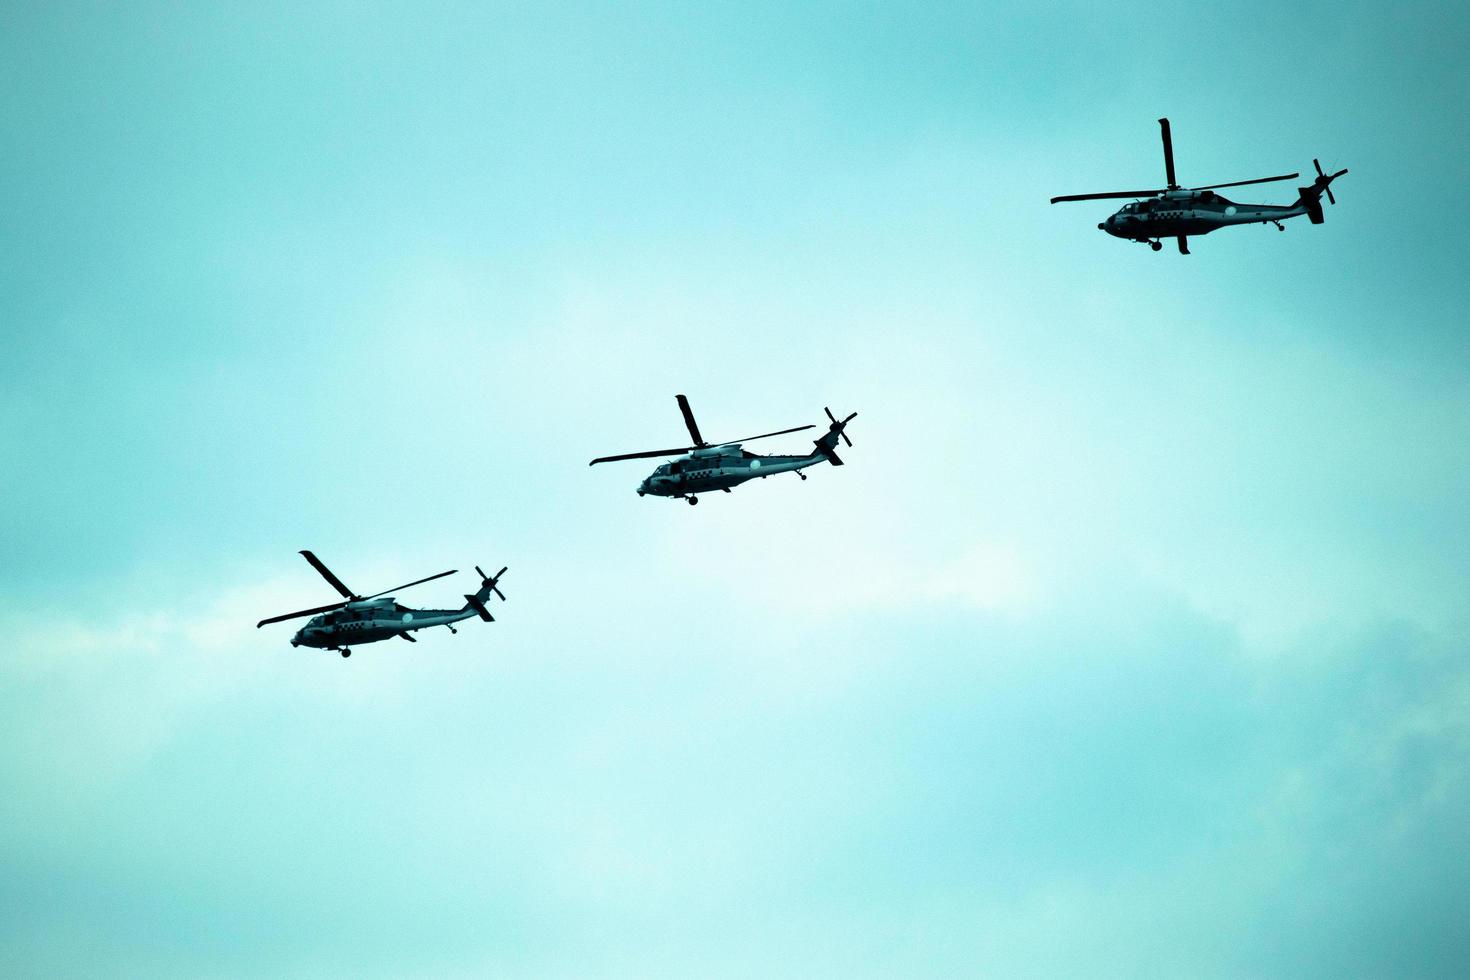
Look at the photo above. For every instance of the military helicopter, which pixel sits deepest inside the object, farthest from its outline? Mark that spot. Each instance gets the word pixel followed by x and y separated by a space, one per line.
pixel 1178 212
pixel 368 619
pixel 708 468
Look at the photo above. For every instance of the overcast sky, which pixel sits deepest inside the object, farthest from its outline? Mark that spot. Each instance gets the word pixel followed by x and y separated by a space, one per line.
pixel 1131 641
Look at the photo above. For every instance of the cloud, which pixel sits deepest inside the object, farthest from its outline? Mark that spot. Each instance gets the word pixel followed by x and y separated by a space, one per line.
pixel 933 786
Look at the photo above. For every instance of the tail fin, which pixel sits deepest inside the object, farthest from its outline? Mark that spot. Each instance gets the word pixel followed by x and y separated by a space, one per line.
pixel 487 586
pixel 827 445
pixel 1311 197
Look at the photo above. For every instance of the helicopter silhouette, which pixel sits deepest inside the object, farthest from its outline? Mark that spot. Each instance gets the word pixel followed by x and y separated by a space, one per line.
pixel 1178 212
pixel 368 619
pixel 721 466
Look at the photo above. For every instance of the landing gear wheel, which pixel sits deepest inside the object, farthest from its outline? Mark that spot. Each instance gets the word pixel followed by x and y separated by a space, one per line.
pixel 346 652
pixel 1155 245
pixel 692 500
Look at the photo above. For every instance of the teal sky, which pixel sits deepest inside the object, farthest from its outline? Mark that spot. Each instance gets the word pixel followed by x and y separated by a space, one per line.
pixel 1131 641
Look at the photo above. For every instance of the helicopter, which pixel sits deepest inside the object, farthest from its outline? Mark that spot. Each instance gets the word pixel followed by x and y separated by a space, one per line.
pixel 1178 212
pixel 709 467
pixel 368 619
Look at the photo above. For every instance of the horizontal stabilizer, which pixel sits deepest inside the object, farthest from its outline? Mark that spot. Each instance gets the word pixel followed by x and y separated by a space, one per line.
pixel 1313 205
pixel 479 607
pixel 828 452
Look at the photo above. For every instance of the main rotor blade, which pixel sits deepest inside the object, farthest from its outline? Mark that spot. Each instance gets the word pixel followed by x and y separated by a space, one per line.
pixel 1242 183
pixel 304 612
pixel 648 455
pixel 1098 197
pixel 1168 153
pixel 421 581
pixel 326 573
pixel 736 442
pixel 689 421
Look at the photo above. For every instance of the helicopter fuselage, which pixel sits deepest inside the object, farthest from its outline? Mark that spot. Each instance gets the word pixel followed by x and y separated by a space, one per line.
pixel 368 619
pixel 704 468
pixel 1188 213
pixel 718 468
pixel 1178 212
pixel 371 621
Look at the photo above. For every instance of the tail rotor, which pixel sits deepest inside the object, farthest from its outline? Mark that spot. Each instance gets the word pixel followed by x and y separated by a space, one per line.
pixel 489 582
pixel 1324 181
pixel 839 427
pixel 488 585
pixel 1311 197
pixel 827 445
